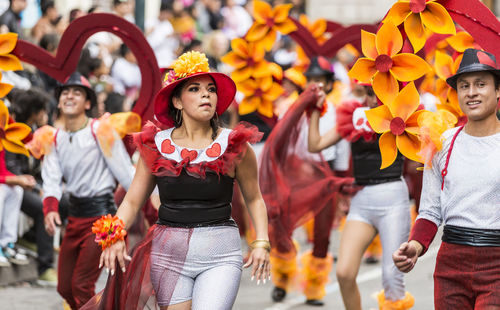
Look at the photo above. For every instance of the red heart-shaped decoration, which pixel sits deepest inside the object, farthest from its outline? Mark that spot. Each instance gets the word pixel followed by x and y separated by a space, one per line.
pixel 185 153
pixel 68 53
pixel 340 36
pixel 167 147
pixel 214 151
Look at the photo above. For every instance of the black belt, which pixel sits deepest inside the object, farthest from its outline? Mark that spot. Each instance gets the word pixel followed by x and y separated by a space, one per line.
pixel 376 181
pixel 471 236
pixel 91 206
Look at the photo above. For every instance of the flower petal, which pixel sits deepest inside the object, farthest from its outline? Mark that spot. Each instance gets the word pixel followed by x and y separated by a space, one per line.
pixel 257 32
pixel 385 86
pixel 398 12
pixel 379 118
pixel 17 131
pixel 261 69
pixel 406 102
pixel 412 121
pixel 281 12
pixel 443 65
pixel 234 60
pixel 5 89
pixel 268 40
pixel 286 26
pixel 408 67
pixel 436 18
pixel 10 63
pixel 368 45
pixel 240 47
pixel 461 41
pixel 409 145
pixel 388 149
pixel 256 51
pixel 4 115
pixel 241 74
pixel 415 31
pixel 276 70
pixel 15 147
pixel 389 40
pixel 266 108
pixel 273 93
pixel 248 105
pixel 318 28
pixel 261 11
pixel 363 70
pixel 8 42
pixel 247 87
pixel 265 83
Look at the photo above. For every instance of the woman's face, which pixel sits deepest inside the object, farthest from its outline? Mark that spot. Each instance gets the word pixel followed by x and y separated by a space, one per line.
pixel 198 99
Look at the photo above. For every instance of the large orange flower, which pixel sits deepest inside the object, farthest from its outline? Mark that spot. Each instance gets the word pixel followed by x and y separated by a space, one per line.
pixel 444 66
pixel 11 135
pixel 461 41
pixel 451 105
pixel 268 21
pixel 247 59
pixel 398 124
pixel 384 65
pixel 419 13
pixel 259 95
pixel 9 62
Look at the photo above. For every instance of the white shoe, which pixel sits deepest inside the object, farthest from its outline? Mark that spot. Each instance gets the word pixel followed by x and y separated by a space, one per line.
pixel 14 256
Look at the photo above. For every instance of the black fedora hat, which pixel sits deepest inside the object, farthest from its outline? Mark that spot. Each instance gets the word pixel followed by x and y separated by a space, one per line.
pixel 319 66
pixel 77 79
pixel 475 61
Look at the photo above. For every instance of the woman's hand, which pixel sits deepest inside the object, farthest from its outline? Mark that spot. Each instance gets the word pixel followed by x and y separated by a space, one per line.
pixel 321 96
pixel 117 251
pixel 259 260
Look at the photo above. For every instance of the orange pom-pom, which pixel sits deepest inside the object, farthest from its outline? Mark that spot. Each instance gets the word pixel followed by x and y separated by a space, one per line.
pixel 108 230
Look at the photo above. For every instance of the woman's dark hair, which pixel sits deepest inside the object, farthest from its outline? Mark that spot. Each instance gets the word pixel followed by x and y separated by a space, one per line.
pixel 173 111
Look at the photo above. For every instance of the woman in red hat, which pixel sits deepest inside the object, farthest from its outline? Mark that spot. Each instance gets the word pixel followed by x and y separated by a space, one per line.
pixel 192 256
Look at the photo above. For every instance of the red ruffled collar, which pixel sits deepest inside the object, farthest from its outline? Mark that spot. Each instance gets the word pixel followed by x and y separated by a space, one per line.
pixel 352 123
pixel 220 157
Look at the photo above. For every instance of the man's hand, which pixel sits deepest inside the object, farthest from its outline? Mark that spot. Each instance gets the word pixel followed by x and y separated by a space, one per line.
pixel 321 96
pixel 406 256
pixel 26 181
pixel 51 220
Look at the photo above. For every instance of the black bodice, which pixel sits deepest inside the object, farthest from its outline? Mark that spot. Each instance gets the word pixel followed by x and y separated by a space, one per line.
pixel 367 159
pixel 188 201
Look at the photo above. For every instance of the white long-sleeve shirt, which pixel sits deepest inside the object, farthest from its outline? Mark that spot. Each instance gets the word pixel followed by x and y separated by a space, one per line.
pixel 471 194
pixel 82 166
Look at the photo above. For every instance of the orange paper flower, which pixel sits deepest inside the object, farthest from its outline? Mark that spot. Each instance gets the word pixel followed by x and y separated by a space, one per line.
pixel 247 59
pixel 317 29
pixel 398 124
pixel 9 62
pixel 419 13
pixel 384 65
pixel 444 66
pixel 108 230
pixel 259 96
pixel 42 142
pixel 432 125
pixel 12 135
pixel 268 21
pixel 461 41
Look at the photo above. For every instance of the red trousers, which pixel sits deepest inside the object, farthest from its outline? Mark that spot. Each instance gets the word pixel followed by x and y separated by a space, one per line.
pixel 467 277
pixel 78 268
pixel 322 228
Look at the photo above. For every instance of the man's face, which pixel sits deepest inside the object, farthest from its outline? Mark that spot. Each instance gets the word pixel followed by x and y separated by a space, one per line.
pixel 73 101
pixel 477 95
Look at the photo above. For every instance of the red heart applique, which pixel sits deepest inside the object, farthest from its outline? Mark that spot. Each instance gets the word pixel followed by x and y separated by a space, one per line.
pixel 360 122
pixel 214 151
pixel 185 153
pixel 68 53
pixel 167 147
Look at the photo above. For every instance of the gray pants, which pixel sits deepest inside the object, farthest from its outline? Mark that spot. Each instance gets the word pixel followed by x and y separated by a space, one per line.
pixel 10 207
pixel 387 208
pixel 209 274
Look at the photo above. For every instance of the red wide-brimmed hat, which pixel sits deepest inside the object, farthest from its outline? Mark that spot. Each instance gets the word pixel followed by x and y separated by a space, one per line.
pixel 189 65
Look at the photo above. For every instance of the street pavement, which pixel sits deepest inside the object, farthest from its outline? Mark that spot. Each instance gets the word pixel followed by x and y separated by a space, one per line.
pixel 258 297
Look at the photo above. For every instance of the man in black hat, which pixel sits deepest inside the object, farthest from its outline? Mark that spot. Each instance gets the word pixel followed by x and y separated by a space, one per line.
pixel 462 190
pixel 90 179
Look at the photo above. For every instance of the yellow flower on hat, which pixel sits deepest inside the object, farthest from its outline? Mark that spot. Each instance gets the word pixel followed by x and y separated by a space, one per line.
pixel 259 95
pixel 419 13
pixel 384 65
pixel 268 21
pixel 398 124
pixel 247 59
pixel 9 62
pixel 190 63
pixel 11 135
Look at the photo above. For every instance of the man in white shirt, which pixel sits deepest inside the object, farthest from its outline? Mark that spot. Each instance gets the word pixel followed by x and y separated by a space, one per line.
pixel 90 179
pixel 462 190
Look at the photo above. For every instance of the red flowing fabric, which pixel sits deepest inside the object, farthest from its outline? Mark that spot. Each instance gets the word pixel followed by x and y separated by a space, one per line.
pixel 294 185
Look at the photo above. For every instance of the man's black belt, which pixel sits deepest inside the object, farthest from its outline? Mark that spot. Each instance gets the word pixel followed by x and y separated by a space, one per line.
pixel 91 206
pixel 471 236
pixel 377 181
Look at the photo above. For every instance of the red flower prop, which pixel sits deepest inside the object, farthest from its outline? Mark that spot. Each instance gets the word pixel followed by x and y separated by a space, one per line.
pixel 108 230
